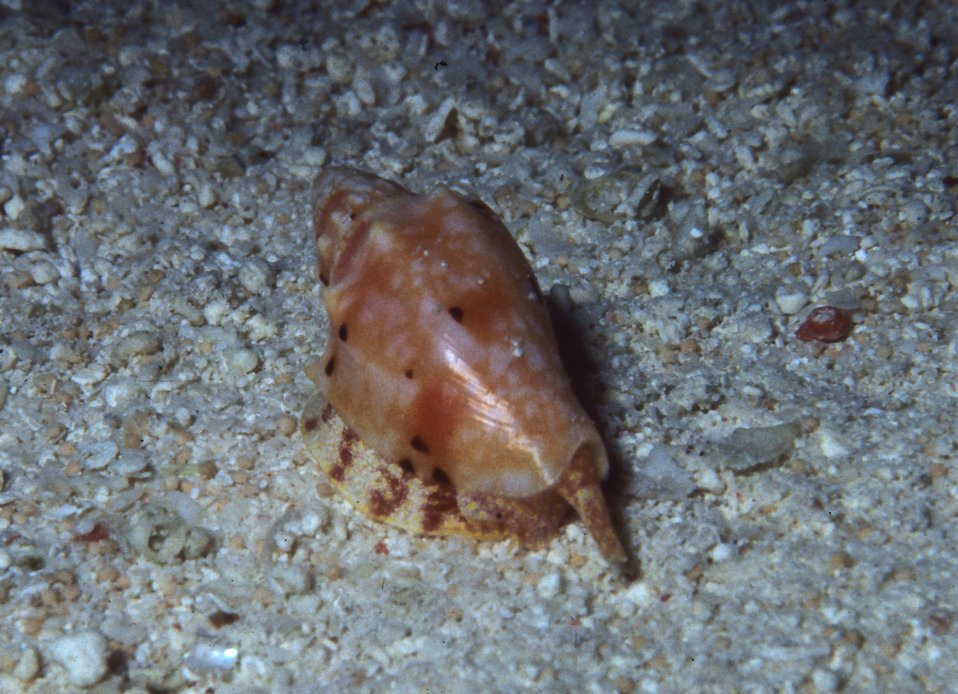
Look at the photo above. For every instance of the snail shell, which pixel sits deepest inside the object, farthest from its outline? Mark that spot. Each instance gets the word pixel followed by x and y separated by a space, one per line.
pixel 443 407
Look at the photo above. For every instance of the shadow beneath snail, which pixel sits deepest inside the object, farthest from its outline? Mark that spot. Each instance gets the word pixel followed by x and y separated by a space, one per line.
pixel 583 369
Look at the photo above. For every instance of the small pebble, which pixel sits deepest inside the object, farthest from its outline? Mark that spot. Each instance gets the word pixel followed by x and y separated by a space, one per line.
pixel 691 237
pixel 549 586
pixel 131 462
pixel 284 541
pixel 215 311
pixel 116 394
pixel 465 11
pixel 188 311
pixel 638 594
pixel 913 213
pixel 722 552
pixel 752 328
pixel 791 298
pixel 21 240
pixel 162 163
pixel 435 125
pixel 843 244
pixel 629 136
pixel 83 655
pixel 43 272
pixel 339 68
pixel 13 207
pixel 9 684
pixel 206 196
pixel 242 361
pixel 621 195
pixel 28 666
pixel 259 328
pixel 661 475
pixel 137 343
pixel 255 276
pixel 211 655
pixel 17 279
pixel 99 454
pixel 160 536
pixel 88 375
pixel 14 83
pixel 363 88
pixel 292 580
pixel 314 156
pixel 658 288
pixel 286 425
pixel 749 447
pixel 826 681
pixel 831 445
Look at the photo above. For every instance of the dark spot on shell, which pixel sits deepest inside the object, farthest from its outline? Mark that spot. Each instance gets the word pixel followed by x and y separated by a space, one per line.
pixel 330 365
pixel 440 477
pixel 324 279
pixel 408 373
pixel 418 444
pixel 407 466
pixel 327 414
pixel 383 502
pixel 343 332
pixel 498 515
pixel 440 504
pixel 311 424
pixel 456 314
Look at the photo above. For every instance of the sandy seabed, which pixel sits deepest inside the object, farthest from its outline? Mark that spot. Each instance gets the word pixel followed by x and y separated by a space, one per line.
pixel 689 184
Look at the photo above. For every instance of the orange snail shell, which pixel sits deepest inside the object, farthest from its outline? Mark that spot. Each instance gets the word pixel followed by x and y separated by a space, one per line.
pixel 443 407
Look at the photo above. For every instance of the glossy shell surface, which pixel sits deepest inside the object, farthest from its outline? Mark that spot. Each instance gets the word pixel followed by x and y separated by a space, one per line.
pixel 443 407
pixel 825 324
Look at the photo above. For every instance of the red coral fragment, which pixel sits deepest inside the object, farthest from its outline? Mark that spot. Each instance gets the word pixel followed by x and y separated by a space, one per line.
pixel 381 548
pixel 825 324
pixel 95 534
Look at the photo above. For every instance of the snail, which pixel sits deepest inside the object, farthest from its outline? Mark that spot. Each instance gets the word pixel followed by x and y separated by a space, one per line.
pixel 442 406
